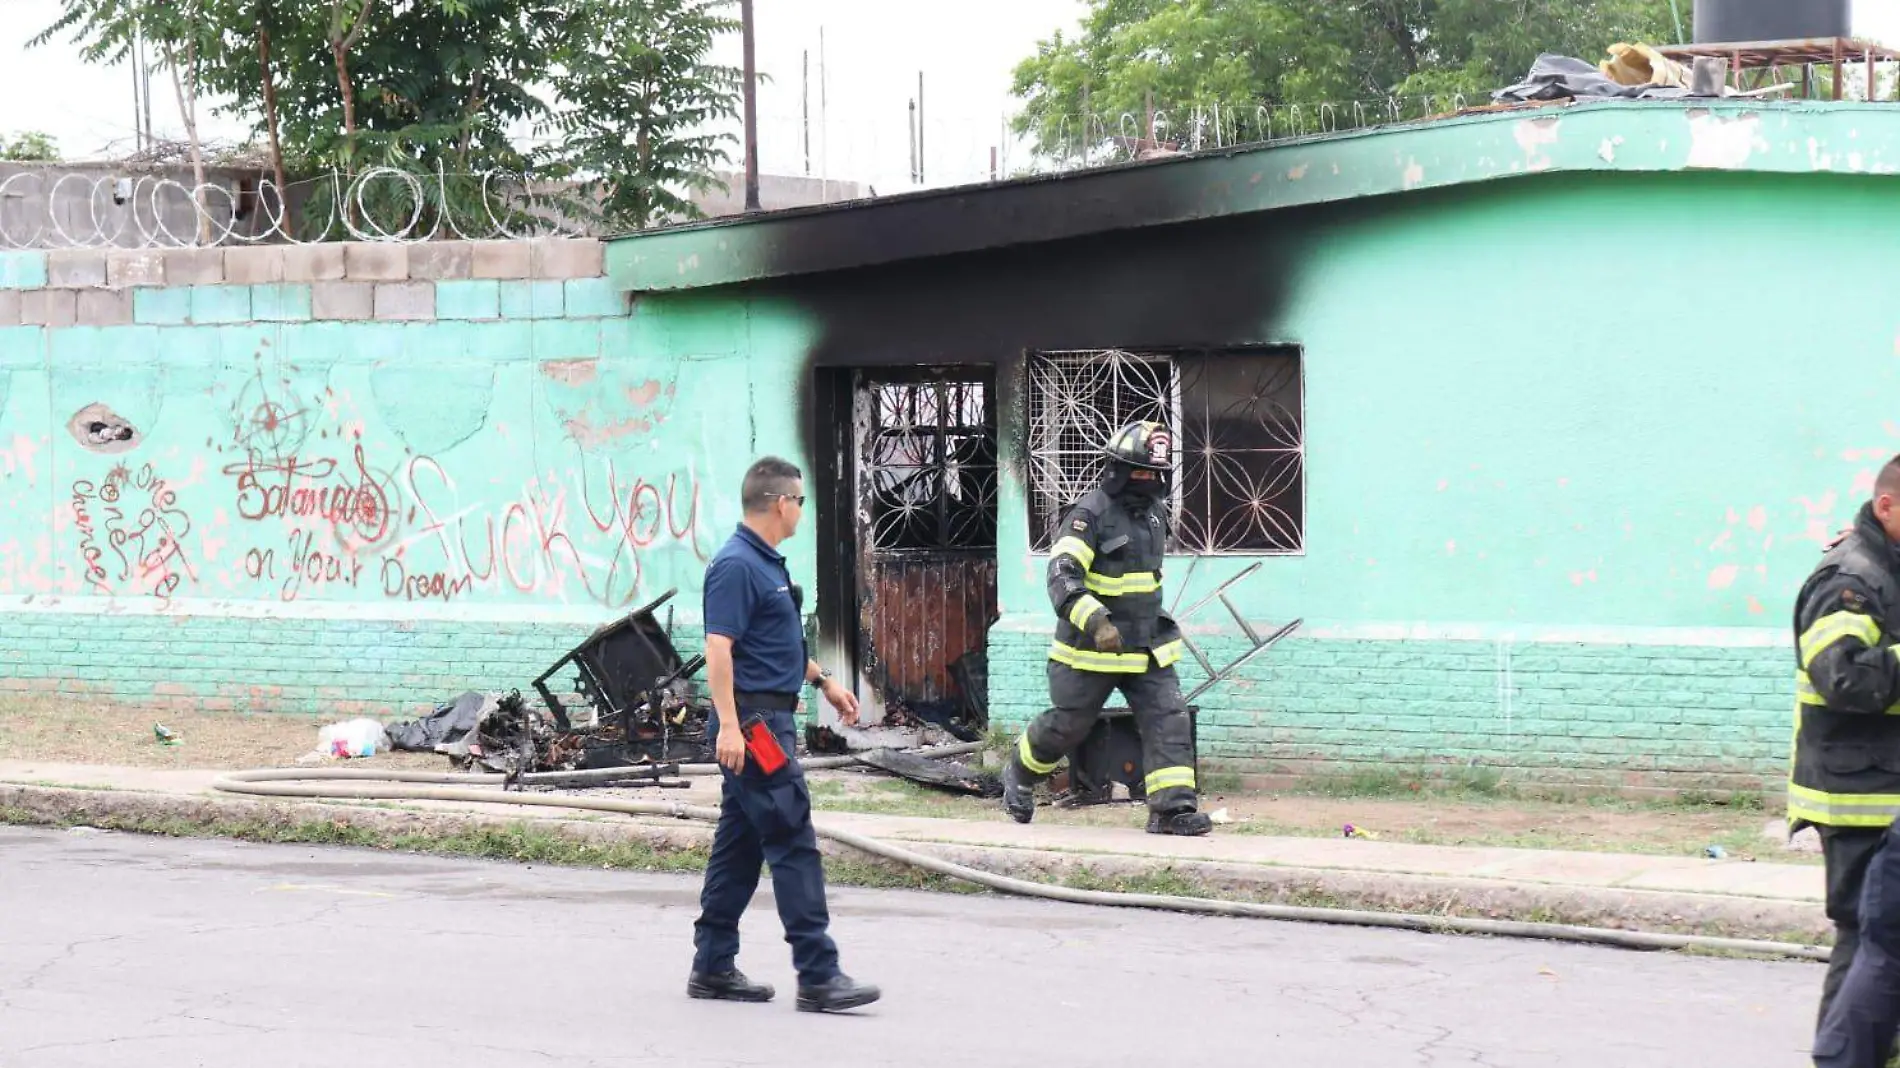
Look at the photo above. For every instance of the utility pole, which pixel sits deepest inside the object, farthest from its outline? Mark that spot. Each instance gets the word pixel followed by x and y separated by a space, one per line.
pixel 751 110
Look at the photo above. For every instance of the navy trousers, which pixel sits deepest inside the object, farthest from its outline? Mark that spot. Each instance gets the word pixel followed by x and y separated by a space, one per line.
pixel 1858 1026
pixel 765 819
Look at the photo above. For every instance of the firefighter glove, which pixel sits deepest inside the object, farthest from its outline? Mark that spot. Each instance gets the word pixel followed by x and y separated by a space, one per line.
pixel 1102 631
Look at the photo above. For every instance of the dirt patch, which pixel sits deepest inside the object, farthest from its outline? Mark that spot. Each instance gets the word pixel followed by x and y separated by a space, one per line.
pixel 1595 825
pixel 81 732
pixel 1606 826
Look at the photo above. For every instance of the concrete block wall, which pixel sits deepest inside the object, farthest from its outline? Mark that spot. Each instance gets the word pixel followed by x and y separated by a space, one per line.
pixel 349 478
pixel 391 282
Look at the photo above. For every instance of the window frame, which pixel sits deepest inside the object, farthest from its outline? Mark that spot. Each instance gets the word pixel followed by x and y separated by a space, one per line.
pixel 1172 357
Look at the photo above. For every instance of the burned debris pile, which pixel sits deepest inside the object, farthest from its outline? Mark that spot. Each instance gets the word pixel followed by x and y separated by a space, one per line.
pixel 625 699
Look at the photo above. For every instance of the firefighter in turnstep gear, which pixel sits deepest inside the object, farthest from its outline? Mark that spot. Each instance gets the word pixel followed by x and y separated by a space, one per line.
pixel 1844 776
pixel 1104 580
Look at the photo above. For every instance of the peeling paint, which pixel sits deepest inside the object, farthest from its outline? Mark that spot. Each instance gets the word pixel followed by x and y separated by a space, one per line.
pixel 1723 142
pixel 1414 174
pixel 1297 172
pixel 1534 135
pixel 645 393
pixel 571 372
pixel 1722 577
pixel 1818 159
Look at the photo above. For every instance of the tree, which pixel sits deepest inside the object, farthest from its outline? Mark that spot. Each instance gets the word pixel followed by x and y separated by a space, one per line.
pixel 30 146
pixel 640 107
pixel 433 88
pixel 1143 58
pixel 185 32
pixel 425 87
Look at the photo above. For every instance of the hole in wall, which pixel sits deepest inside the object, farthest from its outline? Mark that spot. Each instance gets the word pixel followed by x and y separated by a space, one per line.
pixel 98 428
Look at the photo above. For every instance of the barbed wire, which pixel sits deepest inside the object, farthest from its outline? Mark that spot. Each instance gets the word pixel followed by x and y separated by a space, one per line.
pixel 881 149
pixel 1065 142
pixel 151 203
pixel 47 207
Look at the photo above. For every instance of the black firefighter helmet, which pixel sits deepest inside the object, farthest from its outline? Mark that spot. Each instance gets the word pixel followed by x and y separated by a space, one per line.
pixel 1147 445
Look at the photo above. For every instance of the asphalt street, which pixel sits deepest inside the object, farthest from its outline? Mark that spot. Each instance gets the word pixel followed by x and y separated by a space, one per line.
pixel 151 953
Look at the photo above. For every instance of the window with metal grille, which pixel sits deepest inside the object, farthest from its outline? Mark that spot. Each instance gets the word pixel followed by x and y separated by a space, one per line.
pixel 927 465
pixel 1238 416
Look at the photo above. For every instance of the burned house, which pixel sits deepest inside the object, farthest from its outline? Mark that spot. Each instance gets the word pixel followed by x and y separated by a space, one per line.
pixel 1510 407
pixel 1533 416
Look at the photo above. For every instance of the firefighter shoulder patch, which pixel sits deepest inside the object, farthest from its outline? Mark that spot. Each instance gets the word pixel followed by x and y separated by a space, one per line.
pixel 1078 524
pixel 1853 601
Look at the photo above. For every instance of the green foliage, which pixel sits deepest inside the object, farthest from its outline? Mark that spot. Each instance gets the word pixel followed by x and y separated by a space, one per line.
pixel 639 104
pixel 31 146
pixel 1251 57
pixel 435 88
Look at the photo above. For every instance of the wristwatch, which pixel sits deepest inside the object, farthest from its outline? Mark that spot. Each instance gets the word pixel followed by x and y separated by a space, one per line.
pixel 824 674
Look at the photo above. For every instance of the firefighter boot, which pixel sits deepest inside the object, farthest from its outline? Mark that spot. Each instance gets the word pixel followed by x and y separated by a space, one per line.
pixel 1019 795
pixel 1184 821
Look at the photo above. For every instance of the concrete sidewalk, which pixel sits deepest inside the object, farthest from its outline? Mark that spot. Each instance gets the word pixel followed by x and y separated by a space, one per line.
pixel 1749 897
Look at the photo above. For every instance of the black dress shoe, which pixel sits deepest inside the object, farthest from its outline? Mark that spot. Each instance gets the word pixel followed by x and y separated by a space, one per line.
pixel 838 995
pixel 727 986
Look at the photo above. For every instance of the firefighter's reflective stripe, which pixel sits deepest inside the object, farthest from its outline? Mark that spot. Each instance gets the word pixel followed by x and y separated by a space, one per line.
pixel 1804 691
pixel 1028 757
pixel 1168 653
pixel 1806 694
pixel 1075 547
pixel 1842 810
pixel 1084 607
pixel 1169 779
pixel 1833 627
pixel 1090 660
pixel 1122 585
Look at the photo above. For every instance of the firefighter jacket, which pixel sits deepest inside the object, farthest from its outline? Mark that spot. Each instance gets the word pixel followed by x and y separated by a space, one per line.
pixel 1107 558
pixel 1845 769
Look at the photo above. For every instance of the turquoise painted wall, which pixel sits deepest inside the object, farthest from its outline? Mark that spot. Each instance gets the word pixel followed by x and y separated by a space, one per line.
pixel 1572 442
pixel 1571 446
pixel 359 514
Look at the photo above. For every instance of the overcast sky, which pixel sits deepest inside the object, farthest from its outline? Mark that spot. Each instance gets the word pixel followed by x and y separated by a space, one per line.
pixel 873 51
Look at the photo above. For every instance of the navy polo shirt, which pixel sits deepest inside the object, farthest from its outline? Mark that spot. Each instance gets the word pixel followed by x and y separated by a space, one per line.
pixel 749 599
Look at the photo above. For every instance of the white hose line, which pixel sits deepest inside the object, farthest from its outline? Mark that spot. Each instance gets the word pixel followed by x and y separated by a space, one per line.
pixel 297 782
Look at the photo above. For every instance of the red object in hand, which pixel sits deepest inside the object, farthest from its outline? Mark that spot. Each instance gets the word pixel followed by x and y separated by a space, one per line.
pixel 762 746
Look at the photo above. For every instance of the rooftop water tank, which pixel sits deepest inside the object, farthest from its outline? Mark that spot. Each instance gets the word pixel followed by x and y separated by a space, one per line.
pixel 1724 21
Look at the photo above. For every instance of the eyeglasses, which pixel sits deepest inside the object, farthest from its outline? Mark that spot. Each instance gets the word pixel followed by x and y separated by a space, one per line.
pixel 798 498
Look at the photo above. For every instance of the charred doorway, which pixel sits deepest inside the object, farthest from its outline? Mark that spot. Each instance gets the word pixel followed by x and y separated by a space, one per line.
pixel 915 552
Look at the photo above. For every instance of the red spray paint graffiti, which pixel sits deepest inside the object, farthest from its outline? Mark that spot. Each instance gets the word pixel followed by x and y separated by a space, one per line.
pixel 148 549
pixel 531 545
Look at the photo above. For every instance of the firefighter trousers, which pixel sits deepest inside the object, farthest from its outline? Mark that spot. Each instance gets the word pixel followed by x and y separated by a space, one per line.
pixel 1161 717
pixel 1861 1014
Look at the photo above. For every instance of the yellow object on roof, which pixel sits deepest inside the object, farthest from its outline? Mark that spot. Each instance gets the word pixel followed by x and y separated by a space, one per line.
pixel 1639 64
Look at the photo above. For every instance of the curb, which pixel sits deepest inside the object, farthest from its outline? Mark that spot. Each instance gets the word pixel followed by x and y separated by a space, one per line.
pixel 1645 910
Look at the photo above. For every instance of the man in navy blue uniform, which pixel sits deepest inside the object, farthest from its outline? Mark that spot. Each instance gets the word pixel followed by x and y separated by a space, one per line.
pixel 756 662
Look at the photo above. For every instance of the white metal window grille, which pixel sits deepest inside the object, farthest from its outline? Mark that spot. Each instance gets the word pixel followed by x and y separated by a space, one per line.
pixel 1238 416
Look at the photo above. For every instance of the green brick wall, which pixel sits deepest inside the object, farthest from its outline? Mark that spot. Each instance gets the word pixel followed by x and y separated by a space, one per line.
pixel 1602 714
pixel 318 666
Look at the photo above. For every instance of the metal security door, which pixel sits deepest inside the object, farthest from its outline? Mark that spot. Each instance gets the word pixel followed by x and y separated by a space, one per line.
pixel 925 477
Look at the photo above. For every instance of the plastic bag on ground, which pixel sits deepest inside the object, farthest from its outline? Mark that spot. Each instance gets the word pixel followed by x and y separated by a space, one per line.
pixel 352 738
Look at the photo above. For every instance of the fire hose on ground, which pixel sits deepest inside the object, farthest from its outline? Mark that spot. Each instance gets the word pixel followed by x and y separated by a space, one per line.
pixel 353 784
